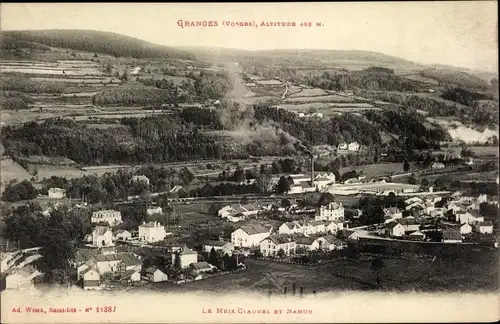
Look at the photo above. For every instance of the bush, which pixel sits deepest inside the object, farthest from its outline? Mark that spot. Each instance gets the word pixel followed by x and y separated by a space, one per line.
pixel 19 191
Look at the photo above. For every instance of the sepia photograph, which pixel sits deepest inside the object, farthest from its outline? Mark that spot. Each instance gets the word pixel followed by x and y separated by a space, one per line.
pixel 249 162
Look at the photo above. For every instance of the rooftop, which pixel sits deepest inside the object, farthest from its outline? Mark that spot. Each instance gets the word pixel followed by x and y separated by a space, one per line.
pixel 254 229
pixel 100 230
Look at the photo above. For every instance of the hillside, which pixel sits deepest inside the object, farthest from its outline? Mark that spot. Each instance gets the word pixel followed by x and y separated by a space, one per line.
pixel 93 41
pixel 305 58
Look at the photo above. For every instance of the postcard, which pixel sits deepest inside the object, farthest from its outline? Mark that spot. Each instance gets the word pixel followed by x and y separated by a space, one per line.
pixel 249 162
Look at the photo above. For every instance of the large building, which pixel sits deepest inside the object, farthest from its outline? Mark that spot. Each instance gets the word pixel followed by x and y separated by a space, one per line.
pixel 102 236
pixel 272 245
pixel 186 257
pixel 333 212
pixel 152 232
pixel 56 193
pixel 112 217
pixel 249 235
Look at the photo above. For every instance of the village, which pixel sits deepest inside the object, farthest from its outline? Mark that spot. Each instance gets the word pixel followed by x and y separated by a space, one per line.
pixel 111 257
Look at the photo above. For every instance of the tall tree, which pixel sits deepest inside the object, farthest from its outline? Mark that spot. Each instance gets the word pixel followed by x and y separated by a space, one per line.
pixel 283 185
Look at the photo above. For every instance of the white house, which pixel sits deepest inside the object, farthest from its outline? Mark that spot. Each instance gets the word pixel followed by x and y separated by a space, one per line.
pixel 151 232
pixel 102 236
pixel 395 229
pixel 350 235
pixel 57 193
pixel 249 235
pixel 465 229
pixel 437 165
pixel 271 245
pixel 220 247
pixel 317 227
pixel 392 213
pixel 468 217
pixel 200 268
pixel 186 257
pixel 333 212
pixel 333 226
pixel 21 277
pixel 238 212
pixel 290 228
pixel 301 187
pixel 91 279
pixel 354 146
pixel 323 180
pixel 139 179
pixel 342 146
pixel 122 235
pixel 305 243
pixel 485 227
pixel 482 199
pixel 330 243
pixel 131 275
pixel 112 217
pixel 154 210
pixel 153 274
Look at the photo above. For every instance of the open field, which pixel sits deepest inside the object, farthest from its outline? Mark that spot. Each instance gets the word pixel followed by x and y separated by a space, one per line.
pixel 12 171
pixel 478 272
pixel 59 171
pixel 269 82
pixel 63 67
pixel 328 98
pixel 376 170
pixel 327 108
pixel 307 92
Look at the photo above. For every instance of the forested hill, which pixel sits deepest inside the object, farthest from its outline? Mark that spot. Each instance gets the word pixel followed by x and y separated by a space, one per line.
pixel 97 42
pixel 305 57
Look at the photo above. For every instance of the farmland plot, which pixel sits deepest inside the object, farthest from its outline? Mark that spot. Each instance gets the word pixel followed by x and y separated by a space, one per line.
pixel 329 98
pixel 310 93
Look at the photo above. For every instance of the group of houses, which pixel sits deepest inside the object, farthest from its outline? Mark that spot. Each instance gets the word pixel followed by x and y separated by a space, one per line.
pixel 460 212
pixel 290 244
pixel 104 220
pixel 92 271
pixel 298 235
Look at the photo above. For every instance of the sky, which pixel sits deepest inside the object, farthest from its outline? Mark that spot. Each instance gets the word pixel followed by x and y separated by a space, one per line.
pixel 460 33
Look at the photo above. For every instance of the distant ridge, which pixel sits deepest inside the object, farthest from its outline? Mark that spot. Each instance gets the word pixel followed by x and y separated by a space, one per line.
pixel 97 42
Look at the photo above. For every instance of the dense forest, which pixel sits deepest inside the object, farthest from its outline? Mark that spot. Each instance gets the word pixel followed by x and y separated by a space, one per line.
pixel 97 42
pixel 187 135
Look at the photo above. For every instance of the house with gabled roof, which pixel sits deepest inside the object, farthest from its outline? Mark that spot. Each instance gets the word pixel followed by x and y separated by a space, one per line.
pixel 392 213
pixel 333 226
pixel 484 227
pixel 306 243
pixel 153 274
pixel 186 256
pixel 102 236
pixel 395 229
pixel 221 247
pixel 330 243
pixel 21 277
pixel 250 235
pixel 271 245
pixel 350 235
pixel 91 278
pixel 200 268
